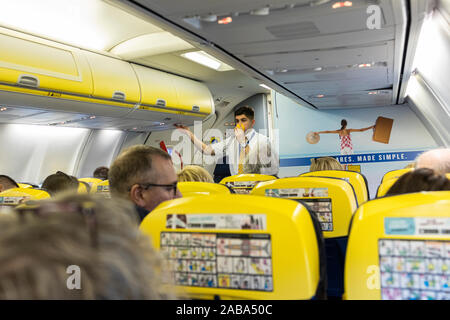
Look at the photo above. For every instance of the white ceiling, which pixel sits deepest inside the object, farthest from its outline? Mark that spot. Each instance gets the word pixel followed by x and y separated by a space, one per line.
pixel 281 48
pixel 298 36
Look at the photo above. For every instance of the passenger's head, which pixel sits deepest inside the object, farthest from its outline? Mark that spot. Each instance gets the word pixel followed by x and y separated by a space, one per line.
pixel 343 124
pixel 101 173
pixel 437 159
pixel 423 179
pixel 194 173
pixel 325 163
pixel 7 183
pixel 245 116
pixel 144 175
pixel 76 241
pixel 60 182
pixel 411 165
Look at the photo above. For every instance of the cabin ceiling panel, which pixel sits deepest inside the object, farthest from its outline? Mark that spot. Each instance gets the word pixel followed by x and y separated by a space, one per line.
pixel 338 86
pixel 332 73
pixel 199 7
pixel 296 37
pixel 352 38
pixel 323 58
pixel 382 98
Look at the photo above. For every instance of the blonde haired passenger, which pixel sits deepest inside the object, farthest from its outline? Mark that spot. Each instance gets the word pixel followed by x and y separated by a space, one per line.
pixel 45 245
pixel 194 173
pixel 411 165
pixel 325 163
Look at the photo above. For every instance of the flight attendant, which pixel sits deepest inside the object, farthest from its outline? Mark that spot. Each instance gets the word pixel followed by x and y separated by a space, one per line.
pixel 248 150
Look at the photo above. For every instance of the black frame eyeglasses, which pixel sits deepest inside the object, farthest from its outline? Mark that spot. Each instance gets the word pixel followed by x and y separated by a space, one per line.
pixel 173 186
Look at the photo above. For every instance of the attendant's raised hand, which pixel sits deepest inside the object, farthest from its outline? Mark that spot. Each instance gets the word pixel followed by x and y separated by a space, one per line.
pixel 239 134
pixel 184 129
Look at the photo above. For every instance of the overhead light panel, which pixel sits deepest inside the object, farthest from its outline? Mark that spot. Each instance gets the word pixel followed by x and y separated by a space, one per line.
pixel 225 20
pixel 206 60
pixel 342 4
pixel 264 86
pixel 364 65
pixel 320 96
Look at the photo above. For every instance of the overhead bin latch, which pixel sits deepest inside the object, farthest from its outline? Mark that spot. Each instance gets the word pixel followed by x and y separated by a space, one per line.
pixel 161 103
pixel 28 80
pixel 119 95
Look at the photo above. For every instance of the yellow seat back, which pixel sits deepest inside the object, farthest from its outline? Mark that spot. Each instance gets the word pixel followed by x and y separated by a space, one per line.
pixel 239 247
pixel 25 185
pixel 196 188
pixel 399 248
pixel 384 187
pixel 332 200
pixel 244 183
pixel 15 196
pixel 395 174
pixel 103 188
pixel 356 179
pixel 93 182
pixel 82 187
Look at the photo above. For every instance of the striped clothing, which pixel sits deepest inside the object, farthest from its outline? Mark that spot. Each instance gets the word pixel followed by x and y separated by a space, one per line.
pixel 346 144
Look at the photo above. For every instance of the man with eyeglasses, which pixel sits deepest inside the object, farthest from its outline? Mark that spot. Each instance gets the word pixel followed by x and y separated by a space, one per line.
pixel 144 175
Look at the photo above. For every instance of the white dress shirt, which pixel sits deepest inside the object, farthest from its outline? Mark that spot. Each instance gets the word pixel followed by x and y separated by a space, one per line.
pixel 262 157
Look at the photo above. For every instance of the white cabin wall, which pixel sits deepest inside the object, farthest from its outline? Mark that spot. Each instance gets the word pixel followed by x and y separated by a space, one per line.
pixel 408 138
pixel 428 90
pixel 100 149
pixel 30 153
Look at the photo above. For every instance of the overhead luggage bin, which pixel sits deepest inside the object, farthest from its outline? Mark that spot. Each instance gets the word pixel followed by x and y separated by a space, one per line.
pixel 192 95
pixel 38 64
pixel 114 79
pixel 43 74
pixel 161 91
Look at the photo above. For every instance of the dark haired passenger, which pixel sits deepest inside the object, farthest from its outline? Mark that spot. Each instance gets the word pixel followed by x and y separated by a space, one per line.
pixel 423 179
pixel 60 182
pixel 247 150
pixel 101 173
pixel 7 183
pixel 145 176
